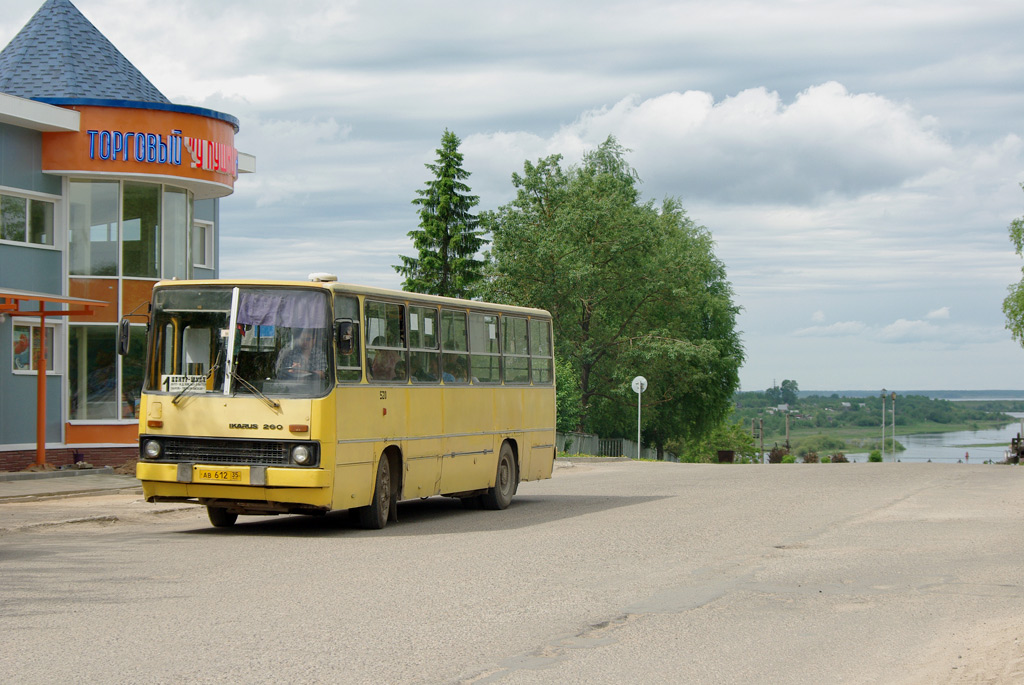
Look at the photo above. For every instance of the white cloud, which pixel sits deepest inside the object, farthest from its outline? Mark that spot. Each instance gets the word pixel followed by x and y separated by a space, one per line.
pixel 754 148
pixel 835 330
pixel 904 331
pixel 940 313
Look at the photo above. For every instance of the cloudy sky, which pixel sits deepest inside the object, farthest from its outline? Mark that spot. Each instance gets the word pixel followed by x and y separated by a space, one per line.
pixel 858 163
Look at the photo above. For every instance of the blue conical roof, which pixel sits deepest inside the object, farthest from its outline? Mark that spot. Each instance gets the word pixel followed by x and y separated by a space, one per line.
pixel 60 54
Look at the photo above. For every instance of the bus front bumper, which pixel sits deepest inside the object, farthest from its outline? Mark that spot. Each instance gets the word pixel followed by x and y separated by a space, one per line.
pixel 188 481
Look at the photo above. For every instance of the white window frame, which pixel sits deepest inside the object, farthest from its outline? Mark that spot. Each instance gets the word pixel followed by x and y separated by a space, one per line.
pixel 58 353
pixel 208 239
pixel 55 200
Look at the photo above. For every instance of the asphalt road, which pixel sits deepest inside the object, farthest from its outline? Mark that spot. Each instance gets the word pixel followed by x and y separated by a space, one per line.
pixel 610 573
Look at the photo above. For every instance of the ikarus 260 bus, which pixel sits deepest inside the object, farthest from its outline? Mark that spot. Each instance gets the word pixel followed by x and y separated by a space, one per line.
pixel 266 397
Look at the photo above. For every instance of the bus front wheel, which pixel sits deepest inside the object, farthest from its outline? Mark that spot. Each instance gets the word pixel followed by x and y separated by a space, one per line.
pixel 375 516
pixel 500 496
pixel 221 517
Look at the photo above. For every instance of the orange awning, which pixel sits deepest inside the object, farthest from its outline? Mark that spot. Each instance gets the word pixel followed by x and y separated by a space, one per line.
pixel 11 303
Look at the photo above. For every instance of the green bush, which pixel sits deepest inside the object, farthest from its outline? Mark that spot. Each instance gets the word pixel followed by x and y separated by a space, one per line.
pixel 817 443
pixel 875 455
pixel 789 459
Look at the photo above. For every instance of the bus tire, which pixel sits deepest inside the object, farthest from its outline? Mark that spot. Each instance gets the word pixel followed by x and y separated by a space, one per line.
pixel 221 517
pixel 500 496
pixel 375 516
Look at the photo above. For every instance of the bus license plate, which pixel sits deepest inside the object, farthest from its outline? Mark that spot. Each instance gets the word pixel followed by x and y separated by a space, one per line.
pixel 219 475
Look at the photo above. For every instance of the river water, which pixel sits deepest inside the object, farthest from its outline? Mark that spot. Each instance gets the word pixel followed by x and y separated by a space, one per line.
pixel 983 445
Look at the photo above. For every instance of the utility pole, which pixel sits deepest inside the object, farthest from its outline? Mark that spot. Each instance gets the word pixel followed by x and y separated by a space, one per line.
pixel 883 424
pixel 787 431
pixel 757 431
pixel 894 426
pixel 761 433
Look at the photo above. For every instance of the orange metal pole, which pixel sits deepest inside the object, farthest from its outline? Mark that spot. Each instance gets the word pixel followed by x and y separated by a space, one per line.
pixel 41 393
pixel 11 305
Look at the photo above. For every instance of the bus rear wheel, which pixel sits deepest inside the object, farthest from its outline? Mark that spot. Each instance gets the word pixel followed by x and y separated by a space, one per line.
pixel 221 517
pixel 500 496
pixel 375 516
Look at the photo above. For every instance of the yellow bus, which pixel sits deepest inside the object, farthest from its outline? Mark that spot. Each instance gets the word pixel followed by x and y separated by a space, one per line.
pixel 265 397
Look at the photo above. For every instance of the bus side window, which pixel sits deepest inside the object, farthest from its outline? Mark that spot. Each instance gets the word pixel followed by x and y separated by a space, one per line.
pixel 455 350
pixel 386 358
pixel 484 348
pixel 540 352
pixel 515 349
pixel 423 349
pixel 346 326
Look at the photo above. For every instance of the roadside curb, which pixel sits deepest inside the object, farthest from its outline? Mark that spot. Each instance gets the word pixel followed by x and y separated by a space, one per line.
pixel 62 473
pixel 33 497
pixel 51 484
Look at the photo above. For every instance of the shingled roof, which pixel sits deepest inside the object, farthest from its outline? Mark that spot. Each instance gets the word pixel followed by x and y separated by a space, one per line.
pixel 60 54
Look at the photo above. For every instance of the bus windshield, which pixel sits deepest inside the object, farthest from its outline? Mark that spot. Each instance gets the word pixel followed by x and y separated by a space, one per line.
pixel 245 340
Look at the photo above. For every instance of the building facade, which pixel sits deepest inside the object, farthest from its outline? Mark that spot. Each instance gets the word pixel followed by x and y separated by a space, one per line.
pixel 106 187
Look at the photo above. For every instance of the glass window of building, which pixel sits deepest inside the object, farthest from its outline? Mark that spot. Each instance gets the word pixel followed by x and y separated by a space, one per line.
pixel 141 230
pixel 176 227
pixel 202 244
pixel 99 390
pixel 40 222
pixel 133 366
pixel 92 222
pixel 26 347
pixel 13 217
pixel 92 372
pixel 25 219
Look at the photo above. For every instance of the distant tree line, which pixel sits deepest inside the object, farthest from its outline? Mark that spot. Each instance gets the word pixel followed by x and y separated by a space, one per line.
pixel 835 411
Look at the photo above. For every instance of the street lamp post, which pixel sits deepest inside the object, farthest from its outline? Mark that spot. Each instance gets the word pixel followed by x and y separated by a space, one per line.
pixel 639 385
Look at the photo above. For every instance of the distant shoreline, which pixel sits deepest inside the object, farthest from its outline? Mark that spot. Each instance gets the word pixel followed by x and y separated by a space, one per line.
pixel 953 395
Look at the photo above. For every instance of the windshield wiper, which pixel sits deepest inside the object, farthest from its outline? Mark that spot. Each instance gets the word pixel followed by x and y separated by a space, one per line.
pixel 194 383
pixel 273 404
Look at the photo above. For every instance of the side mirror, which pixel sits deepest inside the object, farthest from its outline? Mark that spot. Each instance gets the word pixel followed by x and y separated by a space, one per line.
pixel 346 337
pixel 124 335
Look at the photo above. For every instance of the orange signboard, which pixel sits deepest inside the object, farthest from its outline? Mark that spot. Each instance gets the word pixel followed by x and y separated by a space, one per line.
pixel 158 142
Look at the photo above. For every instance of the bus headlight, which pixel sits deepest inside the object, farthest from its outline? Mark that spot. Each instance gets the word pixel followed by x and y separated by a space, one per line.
pixel 152 449
pixel 301 455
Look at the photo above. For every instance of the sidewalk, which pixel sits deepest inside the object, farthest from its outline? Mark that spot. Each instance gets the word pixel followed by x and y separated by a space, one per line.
pixel 36 501
pixel 26 485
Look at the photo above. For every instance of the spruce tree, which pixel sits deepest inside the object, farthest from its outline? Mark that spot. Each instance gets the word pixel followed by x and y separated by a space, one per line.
pixel 448 238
